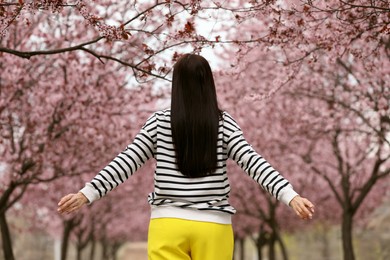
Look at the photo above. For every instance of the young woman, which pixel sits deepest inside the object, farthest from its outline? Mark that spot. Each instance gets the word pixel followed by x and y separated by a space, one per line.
pixel 191 142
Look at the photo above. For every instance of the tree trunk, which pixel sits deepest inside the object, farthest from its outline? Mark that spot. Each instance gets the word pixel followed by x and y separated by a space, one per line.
pixel 346 233
pixel 105 251
pixel 114 250
pixel 81 243
pixel 235 249
pixel 272 223
pixel 68 226
pixel 259 253
pixel 6 238
pixel 282 246
pixel 241 242
pixel 79 250
pixel 93 248
pixel 261 241
pixel 271 246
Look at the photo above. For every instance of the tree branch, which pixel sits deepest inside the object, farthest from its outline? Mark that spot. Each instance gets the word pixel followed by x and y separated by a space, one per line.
pixel 366 6
pixel 29 54
pixel 369 184
pixel 123 63
pixel 330 183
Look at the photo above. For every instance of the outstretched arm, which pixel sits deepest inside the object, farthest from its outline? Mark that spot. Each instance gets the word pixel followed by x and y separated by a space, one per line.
pixel 262 172
pixel 121 167
pixel 115 173
pixel 259 169
pixel 270 179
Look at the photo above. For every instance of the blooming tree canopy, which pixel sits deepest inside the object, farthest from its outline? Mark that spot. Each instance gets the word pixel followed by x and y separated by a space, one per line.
pixel 314 73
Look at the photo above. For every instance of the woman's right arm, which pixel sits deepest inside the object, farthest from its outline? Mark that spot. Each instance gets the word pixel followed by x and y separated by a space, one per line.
pixel 239 150
pixel 262 172
pixel 259 169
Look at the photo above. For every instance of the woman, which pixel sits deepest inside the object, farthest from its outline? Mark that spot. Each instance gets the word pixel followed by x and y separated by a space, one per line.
pixel 191 142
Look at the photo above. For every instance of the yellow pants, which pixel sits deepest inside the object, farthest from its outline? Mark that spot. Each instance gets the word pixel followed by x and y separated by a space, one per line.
pixel 180 239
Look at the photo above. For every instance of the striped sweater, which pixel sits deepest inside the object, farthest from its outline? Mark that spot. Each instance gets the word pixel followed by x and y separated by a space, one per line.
pixel 175 195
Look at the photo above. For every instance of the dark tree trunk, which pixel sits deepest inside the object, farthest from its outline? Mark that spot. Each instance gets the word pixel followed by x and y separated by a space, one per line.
pixel 242 248
pixel 65 239
pixel 346 233
pixel 114 249
pixel 282 246
pixel 272 205
pixel 68 227
pixel 259 253
pixel 82 243
pixel 261 241
pixel 105 251
pixel 271 247
pixel 5 233
pixel 79 250
pixel 93 249
pixel 6 238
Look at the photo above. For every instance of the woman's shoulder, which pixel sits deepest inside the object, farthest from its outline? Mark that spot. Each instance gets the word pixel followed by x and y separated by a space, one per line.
pixel 158 118
pixel 226 116
pixel 162 117
pixel 230 122
pixel 163 114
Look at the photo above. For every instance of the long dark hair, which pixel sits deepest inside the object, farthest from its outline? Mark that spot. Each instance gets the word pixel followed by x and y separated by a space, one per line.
pixel 194 116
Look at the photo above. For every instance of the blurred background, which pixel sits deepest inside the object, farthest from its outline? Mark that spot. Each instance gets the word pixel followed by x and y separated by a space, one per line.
pixel 308 82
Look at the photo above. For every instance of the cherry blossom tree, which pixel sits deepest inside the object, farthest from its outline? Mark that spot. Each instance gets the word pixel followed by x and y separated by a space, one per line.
pixel 259 216
pixel 291 33
pixel 310 45
pixel 52 115
pixel 335 118
pixel 349 149
pixel 65 66
pixel 122 31
pixel 141 35
pixel 333 107
pixel 104 222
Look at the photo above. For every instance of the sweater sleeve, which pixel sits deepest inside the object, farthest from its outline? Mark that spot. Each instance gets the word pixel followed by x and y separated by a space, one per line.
pixel 255 165
pixel 123 165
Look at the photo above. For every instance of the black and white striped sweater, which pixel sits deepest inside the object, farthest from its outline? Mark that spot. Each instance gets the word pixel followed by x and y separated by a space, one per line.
pixel 175 195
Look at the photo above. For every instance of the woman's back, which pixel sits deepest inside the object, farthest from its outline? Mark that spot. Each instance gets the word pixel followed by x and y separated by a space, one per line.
pixel 172 188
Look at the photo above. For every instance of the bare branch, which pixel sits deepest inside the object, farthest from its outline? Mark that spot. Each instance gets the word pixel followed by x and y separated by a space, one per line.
pixel 366 6
pixel 16 198
pixel 29 54
pixel 330 183
pixel 369 184
pixel 123 63
pixel 145 11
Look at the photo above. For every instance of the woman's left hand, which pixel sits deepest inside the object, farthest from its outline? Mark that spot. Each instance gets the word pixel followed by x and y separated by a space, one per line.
pixel 302 207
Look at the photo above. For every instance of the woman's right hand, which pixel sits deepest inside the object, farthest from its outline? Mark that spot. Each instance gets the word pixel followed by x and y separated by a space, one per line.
pixel 71 202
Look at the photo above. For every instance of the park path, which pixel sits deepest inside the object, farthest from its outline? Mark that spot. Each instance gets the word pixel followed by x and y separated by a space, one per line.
pixel 133 251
